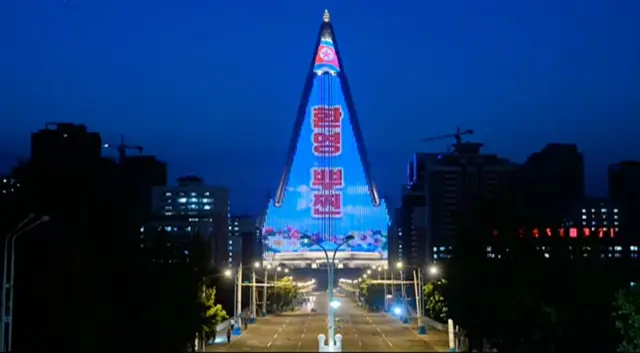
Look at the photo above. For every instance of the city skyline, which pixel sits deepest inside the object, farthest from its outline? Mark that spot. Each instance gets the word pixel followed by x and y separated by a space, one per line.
pixel 572 88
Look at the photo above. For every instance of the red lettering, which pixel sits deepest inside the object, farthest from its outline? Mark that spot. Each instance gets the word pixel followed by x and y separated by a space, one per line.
pixel 327 144
pixel 561 232
pixel 326 118
pixel 612 233
pixel 600 233
pixel 327 204
pixel 327 178
pixel 573 232
pixel 549 232
pixel 586 232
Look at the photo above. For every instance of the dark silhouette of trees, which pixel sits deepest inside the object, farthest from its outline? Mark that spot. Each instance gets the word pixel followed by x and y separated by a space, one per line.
pixel 525 301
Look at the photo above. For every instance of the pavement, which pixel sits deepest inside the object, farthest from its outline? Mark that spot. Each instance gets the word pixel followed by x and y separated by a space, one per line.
pixel 361 331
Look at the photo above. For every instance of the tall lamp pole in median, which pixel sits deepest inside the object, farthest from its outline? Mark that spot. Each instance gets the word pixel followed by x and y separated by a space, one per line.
pixel 330 264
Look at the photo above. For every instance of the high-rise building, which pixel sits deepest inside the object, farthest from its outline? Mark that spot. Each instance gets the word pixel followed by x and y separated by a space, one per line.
pixel 246 228
pixel 140 175
pixel 441 188
pixel 553 179
pixel 624 190
pixel 193 208
pixel 326 192
pixel 65 144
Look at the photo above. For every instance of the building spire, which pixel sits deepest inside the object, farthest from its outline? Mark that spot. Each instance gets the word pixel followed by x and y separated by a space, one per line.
pixel 326 17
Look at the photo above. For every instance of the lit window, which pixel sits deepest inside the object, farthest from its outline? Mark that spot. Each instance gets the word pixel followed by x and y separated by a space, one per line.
pixel 182 200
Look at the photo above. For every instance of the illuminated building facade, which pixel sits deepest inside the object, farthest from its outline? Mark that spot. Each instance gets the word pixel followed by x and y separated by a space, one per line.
pixel 326 192
pixel 8 185
pixel 193 208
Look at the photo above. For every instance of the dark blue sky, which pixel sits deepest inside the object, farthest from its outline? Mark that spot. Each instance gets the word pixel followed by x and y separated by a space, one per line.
pixel 212 87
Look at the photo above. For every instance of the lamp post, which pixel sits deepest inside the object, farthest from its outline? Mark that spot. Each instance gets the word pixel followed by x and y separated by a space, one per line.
pixel 330 263
pixel 254 299
pixel 386 302
pixel 264 292
pixel 237 297
pixel 403 292
pixel 6 285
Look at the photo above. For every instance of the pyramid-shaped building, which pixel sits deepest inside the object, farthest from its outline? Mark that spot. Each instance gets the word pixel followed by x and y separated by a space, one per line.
pixel 326 192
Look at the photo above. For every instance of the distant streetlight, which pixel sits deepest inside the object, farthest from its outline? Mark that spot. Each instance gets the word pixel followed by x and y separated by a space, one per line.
pixel 278 268
pixel 399 265
pixel 256 264
pixel 228 273
pixel 368 272
pixel 433 270
pixel 286 270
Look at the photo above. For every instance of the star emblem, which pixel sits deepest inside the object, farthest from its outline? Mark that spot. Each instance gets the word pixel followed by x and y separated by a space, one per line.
pixel 327 54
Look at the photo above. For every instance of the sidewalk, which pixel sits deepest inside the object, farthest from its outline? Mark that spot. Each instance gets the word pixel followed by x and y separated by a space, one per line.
pixel 221 339
pixel 437 338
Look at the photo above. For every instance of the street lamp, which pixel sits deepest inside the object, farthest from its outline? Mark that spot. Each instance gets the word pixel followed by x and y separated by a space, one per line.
pixel 403 292
pixel 330 263
pixel 433 270
pixel 11 237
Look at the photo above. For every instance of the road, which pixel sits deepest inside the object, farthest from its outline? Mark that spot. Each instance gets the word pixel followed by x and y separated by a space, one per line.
pixel 361 331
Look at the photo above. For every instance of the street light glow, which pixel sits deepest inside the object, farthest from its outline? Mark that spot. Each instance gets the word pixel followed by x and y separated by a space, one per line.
pixel 278 268
pixel 433 270
pixel 256 264
pixel 335 304
pixel 227 273
pixel 368 272
pixel 286 270
pixel 399 264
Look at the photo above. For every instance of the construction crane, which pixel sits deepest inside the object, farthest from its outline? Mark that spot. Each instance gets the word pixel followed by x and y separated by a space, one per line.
pixel 123 147
pixel 457 136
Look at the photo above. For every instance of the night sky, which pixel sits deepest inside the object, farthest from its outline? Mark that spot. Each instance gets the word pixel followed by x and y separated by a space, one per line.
pixel 212 87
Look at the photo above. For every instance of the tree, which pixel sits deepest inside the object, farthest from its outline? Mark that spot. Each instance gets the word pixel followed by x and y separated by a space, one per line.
pixel 284 294
pixel 627 319
pixel 213 314
pixel 435 303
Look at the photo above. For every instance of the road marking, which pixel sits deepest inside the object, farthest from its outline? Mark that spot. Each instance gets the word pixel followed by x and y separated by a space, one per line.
pixel 386 339
pixel 302 335
pixel 275 336
pixel 378 328
pixel 280 329
pixel 269 344
pixel 299 344
pixel 359 343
